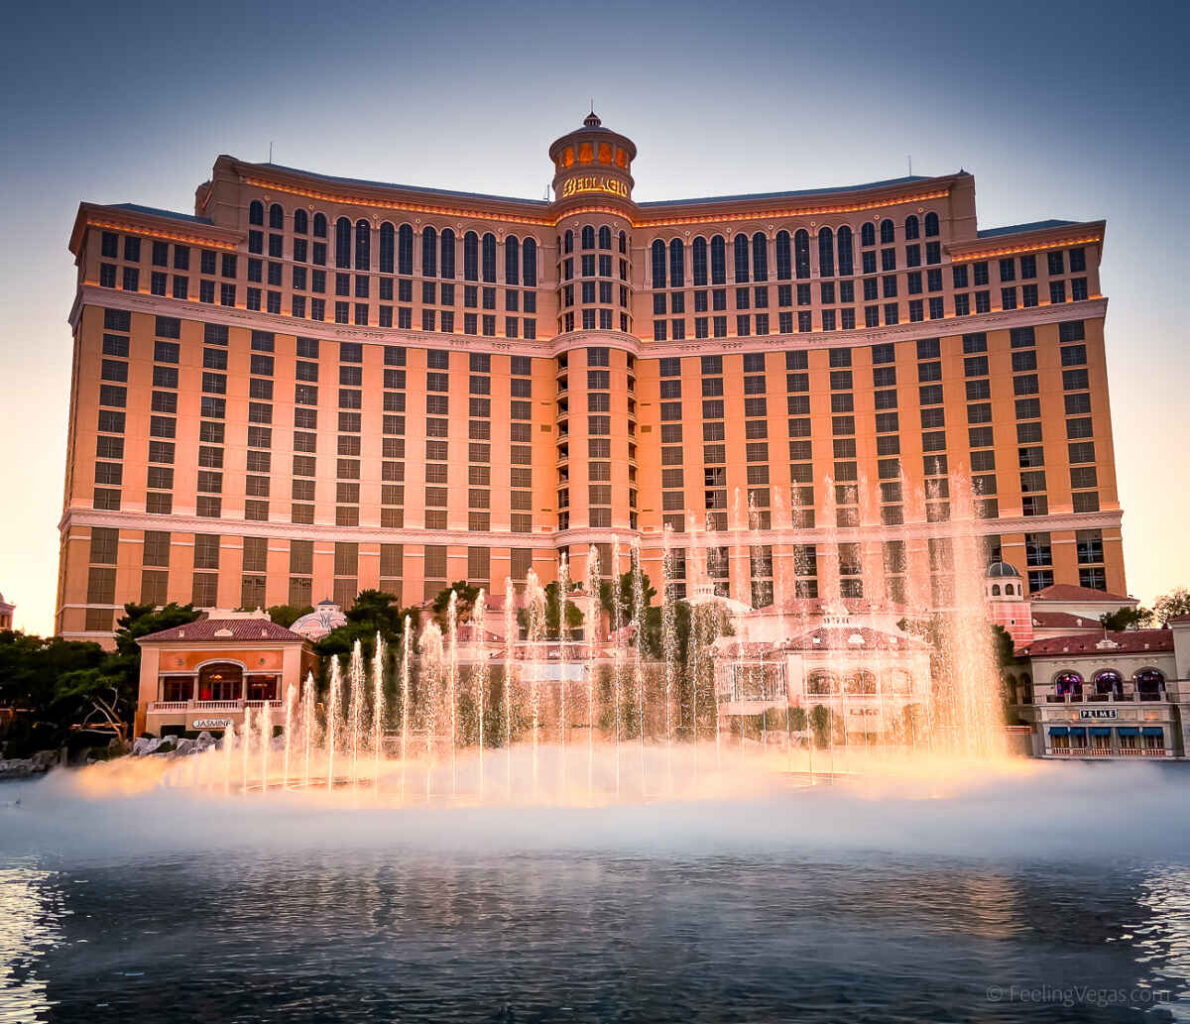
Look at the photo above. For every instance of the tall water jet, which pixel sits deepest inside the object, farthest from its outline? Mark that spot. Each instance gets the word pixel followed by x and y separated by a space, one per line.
pixel 290 697
pixel 266 742
pixel 229 745
pixel 590 636
pixel 378 709
pixel 406 647
pixel 563 668
pixel 430 649
pixel 480 674
pixel 355 708
pixel 617 649
pixel 308 701
pixel 638 675
pixel 535 609
pixel 452 681
pixel 332 720
pixel 245 750
pixel 510 632
pixel 669 646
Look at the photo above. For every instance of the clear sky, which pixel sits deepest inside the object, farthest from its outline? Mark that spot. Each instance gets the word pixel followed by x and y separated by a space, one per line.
pixel 1068 110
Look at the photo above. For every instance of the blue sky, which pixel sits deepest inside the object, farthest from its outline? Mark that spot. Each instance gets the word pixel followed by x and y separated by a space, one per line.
pixel 1076 111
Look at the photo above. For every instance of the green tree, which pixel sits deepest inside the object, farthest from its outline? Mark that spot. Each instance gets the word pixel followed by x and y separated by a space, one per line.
pixel 287 614
pixel 465 600
pixel 1126 618
pixel 1172 605
pixel 66 684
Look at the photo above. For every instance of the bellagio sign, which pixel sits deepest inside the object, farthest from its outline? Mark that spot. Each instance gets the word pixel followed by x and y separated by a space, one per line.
pixel 593 183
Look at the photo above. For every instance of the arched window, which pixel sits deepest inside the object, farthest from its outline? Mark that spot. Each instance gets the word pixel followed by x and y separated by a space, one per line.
pixel 784 257
pixel 342 242
pixel 846 264
pixel 718 260
pixel 801 254
pixel 867 234
pixel 569 247
pixel 512 260
pixel 388 248
pixel 471 256
pixel 1149 683
pixel 405 249
pixel 760 257
pixel 623 243
pixel 363 245
pixel 821 682
pixel 276 217
pixel 448 254
pixel 677 263
pixel 888 232
pixel 221 681
pixel 320 225
pixel 1068 682
pixel 588 237
pixel 912 227
pixel 740 244
pixel 301 222
pixel 931 225
pixel 529 262
pixel 605 237
pixel 698 257
pixel 861 681
pixel 489 257
pixel 429 252
pixel 995 590
pixel 1109 681
pixel 826 252
pixel 658 263
pixel 256 212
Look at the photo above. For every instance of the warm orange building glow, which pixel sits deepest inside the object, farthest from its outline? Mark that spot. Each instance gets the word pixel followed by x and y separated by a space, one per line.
pixel 318 385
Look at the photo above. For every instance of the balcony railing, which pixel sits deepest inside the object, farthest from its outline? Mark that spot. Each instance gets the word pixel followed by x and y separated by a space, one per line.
pixel 168 706
pixel 1103 698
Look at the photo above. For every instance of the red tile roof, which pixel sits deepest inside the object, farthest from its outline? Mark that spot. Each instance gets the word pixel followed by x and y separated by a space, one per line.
pixel 1069 592
pixel 214 630
pixel 1064 620
pixel 1132 641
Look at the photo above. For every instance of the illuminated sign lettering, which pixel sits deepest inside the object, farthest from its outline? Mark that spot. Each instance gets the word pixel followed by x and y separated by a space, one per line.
pixel 594 183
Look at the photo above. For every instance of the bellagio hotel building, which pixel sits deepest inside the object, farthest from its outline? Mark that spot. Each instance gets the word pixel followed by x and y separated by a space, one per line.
pixel 315 385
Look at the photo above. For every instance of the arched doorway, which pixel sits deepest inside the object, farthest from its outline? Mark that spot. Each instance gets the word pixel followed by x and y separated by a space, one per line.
pixel 1150 683
pixel 223 680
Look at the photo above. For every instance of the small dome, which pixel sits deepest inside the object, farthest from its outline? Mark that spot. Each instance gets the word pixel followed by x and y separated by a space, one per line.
pixel 326 618
pixel 1000 570
pixel 592 120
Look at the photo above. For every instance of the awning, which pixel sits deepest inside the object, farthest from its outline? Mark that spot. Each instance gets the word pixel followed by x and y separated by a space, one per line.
pixel 1152 730
pixel 1128 730
pixel 1099 730
pixel 1077 730
pixel 1059 730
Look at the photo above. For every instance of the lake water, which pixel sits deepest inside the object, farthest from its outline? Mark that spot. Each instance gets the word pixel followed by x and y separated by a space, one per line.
pixel 1058 895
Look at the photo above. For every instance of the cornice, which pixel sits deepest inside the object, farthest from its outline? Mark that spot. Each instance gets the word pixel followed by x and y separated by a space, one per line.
pixel 72 517
pixel 201 312
pixel 92 215
pixel 1086 233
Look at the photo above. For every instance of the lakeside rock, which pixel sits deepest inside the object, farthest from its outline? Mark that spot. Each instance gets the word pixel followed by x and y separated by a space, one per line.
pixel 26 767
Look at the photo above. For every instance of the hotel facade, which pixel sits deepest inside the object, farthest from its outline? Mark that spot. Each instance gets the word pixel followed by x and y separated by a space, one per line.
pixel 316 385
